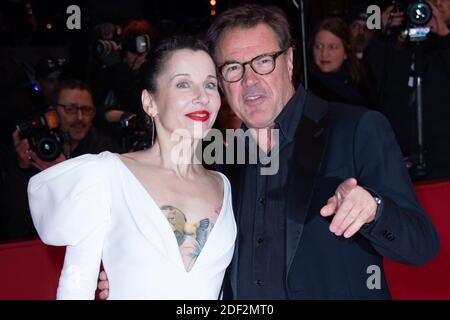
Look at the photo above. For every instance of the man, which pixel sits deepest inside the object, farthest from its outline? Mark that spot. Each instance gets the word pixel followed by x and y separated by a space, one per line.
pixel 122 83
pixel 25 95
pixel 75 109
pixel 118 87
pixel 48 72
pixel 361 35
pixel 341 199
pixel 443 6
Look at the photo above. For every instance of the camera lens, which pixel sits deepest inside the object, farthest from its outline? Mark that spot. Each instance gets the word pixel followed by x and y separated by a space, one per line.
pixel 48 148
pixel 419 13
pixel 106 48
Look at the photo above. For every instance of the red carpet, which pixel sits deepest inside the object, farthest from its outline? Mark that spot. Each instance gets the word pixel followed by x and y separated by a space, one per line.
pixel 30 270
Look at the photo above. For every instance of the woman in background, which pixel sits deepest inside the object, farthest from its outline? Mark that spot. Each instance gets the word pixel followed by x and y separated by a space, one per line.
pixel 337 74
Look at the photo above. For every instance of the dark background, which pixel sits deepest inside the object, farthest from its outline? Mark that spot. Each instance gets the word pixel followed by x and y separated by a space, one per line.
pixel 25 22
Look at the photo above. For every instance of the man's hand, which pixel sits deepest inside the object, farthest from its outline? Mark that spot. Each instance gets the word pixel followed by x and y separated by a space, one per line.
pixel 352 206
pixel 437 22
pixel 390 19
pixel 23 151
pixel 28 158
pixel 103 286
pixel 42 165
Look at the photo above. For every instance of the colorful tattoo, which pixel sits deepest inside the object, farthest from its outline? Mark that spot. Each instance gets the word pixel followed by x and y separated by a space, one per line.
pixel 191 238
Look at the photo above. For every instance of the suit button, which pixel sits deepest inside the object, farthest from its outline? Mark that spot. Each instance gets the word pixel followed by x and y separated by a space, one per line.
pixel 388 235
pixel 259 283
pixel 260 241
pixel 262 200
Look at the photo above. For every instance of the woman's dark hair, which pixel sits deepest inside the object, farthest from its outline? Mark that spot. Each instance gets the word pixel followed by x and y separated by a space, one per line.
pixel 162 53
pixel 339 28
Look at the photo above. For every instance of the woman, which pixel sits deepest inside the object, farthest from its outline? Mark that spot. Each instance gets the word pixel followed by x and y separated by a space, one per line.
pixel 337 74
pixel 162 225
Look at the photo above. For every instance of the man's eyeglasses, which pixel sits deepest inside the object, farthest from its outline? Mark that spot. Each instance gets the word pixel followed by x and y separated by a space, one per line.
pixel 73 109
pixel 263 64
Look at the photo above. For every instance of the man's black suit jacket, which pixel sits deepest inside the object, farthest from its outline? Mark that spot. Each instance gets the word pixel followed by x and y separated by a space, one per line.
pixel 336 142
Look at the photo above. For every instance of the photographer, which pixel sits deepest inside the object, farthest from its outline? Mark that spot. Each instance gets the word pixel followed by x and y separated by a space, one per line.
pixel 391 57
pixel 441 18
pixel 123 80
pixel 361 35
pixel 75 110
pixel 28 91
pixel 118 86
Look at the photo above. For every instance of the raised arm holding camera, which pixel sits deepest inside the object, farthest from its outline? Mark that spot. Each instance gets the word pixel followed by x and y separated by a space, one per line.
pixel 60 134
pixel 44 141
pixel 118 84
pixel 413 44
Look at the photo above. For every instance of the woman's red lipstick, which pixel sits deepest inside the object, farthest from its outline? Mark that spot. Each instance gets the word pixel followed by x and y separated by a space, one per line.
pixel 200 115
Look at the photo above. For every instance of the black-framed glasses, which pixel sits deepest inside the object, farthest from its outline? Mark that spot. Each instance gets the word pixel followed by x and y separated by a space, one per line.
pixel 73 109
pixel 233 71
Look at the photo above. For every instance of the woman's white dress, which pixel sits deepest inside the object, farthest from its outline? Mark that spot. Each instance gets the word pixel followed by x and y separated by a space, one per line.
pixel 96 207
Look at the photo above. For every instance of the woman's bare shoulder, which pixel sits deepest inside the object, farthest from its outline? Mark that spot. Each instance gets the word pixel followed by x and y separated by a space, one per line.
pixel 137 158
pixel 217 178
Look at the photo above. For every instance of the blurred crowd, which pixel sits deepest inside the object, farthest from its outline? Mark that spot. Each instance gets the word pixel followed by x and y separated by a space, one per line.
pixel 49 113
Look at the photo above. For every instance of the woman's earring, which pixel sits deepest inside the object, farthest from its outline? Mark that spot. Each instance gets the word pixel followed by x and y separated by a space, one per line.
pixel 153 130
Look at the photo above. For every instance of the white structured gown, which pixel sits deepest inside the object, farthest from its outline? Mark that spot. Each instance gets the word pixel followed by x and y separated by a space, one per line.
pixel 96 207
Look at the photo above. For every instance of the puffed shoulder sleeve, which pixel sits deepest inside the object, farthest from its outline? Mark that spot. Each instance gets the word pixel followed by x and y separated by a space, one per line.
pixel 70 200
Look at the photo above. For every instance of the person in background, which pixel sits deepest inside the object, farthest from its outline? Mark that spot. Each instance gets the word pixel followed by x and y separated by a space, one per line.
pixel 75 110
pixel 390 57
pixel 443 17
pixel 125 79
pixel 361 36
pixel 337 74
pixel 117 87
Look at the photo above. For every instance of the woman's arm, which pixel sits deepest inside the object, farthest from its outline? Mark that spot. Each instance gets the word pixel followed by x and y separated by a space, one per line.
pixel 78 278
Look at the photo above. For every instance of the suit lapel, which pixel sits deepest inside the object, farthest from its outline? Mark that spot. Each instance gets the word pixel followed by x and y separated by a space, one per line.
pixel 311 140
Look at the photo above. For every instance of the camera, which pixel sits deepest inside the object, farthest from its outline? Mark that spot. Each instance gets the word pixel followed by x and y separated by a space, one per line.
pixel 110 42
pixel 107 44
pixel 137 44
pixel 417 14
pixel 135 133
pixel 107 48
pixel 41 134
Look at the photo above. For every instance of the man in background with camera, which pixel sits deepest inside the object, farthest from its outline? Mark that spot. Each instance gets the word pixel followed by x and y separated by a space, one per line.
pixel 119 84
pixel 75 135
pixel 392 59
